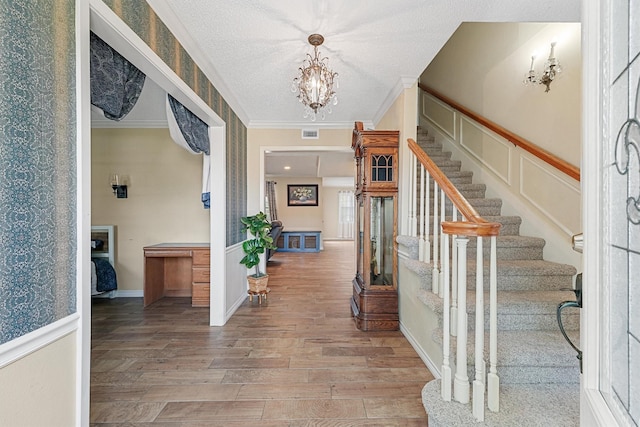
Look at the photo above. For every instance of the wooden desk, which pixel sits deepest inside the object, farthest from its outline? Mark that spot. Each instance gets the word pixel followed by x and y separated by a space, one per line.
pixel 177 270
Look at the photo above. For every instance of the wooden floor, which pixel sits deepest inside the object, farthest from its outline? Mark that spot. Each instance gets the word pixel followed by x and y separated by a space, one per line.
pixel 296 360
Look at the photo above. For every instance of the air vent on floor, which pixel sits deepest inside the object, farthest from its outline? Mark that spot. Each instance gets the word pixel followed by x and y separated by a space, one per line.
pixel 310 133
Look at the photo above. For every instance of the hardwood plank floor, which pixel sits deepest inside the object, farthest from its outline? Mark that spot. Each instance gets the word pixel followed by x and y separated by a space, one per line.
pixel 296 360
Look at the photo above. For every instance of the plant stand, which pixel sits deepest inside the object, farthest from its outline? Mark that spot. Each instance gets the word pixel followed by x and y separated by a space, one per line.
pixel 260 294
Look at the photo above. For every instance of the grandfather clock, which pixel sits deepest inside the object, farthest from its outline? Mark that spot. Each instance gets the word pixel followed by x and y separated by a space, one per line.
pixel 374 304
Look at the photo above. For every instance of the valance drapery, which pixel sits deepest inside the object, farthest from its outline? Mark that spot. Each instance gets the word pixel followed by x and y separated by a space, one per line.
pixel 116 84
pixel 191 133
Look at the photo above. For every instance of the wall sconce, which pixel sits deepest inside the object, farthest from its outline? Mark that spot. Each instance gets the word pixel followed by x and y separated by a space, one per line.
pixel 551 70
pixel 119 185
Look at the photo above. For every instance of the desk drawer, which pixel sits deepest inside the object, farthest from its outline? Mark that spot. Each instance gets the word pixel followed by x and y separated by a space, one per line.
pixel 201 257
pixel 200 295
pixel 200 274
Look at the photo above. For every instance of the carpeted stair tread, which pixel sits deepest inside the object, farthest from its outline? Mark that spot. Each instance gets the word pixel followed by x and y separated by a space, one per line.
pixel 531 405
pixel 519 267
pixel 516 310
pixel 522 349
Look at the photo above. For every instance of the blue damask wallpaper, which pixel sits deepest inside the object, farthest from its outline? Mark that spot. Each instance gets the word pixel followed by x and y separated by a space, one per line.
pixel 139 16
pixel 37 165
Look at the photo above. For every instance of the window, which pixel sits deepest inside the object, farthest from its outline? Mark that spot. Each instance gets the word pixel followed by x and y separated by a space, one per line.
pixel 346 203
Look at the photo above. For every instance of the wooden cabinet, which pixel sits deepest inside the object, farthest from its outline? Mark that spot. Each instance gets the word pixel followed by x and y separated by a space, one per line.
pixel 177 270
pixel 374 304
pixel 200 277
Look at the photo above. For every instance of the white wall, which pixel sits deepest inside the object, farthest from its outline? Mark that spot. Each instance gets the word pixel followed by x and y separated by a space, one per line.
pixel 163 203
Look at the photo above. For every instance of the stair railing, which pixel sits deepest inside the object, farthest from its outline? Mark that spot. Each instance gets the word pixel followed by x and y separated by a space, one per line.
pixel 450 236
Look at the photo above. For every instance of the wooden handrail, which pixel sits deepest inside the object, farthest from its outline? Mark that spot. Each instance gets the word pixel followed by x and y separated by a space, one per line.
pixel 474 225
pixel 553 160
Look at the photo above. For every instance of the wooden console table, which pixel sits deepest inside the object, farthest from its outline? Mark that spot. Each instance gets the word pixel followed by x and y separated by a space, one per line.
pixel 177 270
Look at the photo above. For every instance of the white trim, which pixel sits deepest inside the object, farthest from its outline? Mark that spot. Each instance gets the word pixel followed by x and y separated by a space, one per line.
pixel 594 410
pixel 40 338
pixel 454 114
pixel 559 177
pixel 83 206
pixel 218 226
pixel 108 26
pixel 425 358
pixel 498 141
pixel 136 293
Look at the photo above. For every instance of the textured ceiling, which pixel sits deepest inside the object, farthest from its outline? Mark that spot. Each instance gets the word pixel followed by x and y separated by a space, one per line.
pixel 251 49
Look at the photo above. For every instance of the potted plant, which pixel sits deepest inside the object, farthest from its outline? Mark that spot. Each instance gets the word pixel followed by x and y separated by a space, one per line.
pixel 258 226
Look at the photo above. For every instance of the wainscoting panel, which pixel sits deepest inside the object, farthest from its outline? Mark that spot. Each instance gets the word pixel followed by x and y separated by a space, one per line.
pixel 236 279
pixel 440 114
pixel 492 151
pixel 560 203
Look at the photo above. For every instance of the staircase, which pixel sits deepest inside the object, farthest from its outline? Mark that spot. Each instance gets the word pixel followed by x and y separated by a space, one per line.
pixel 538 370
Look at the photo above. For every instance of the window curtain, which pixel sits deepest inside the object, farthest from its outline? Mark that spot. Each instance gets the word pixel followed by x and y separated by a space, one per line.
pixel 346 213
pixel 271 200
pixel 191 133
pixel 116 83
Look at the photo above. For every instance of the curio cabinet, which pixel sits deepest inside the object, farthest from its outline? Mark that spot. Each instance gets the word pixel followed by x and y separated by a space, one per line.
pixel 374 304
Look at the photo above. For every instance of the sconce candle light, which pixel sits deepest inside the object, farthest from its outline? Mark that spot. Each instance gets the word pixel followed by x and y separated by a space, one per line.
pixel 551 70
pixel 119 185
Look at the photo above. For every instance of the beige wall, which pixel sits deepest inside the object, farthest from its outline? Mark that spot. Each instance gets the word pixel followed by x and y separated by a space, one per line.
pixel 482 67
pixel 164 196
pixel 403 116
pixel 300 218
pixel 48 377
pixel 283 139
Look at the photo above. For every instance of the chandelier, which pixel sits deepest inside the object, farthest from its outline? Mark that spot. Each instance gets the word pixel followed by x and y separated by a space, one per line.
pixel 551 70
pixel 314 85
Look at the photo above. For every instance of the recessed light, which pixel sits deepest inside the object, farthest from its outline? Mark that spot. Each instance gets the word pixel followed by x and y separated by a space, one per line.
pixel 287 168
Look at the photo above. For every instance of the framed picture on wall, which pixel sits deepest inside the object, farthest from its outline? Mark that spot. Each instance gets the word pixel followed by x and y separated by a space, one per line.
pixel 302 195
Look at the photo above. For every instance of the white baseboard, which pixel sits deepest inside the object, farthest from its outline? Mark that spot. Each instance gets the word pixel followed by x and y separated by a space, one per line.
pixel 425 358
pixel 138 293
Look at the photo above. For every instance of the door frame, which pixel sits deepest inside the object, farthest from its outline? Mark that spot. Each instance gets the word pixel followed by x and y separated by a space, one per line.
pixel 596 25
pixel 96 16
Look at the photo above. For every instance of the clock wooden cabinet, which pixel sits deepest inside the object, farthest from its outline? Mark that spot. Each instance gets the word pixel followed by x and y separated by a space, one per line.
pixel 374 304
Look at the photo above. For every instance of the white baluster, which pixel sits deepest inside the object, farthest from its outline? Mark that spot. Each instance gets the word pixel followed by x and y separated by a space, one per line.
pixel 478 383
pixel 454 280
pixel 427 244
pixel 442 216
pixel 461 387
pixel 414 196
pixel 493 381
pixel 436 230
pixel 446 364
pixel 421 221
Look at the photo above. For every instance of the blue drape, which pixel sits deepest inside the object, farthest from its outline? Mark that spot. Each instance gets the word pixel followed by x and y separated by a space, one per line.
pixel 191 133
pixel 116 83
pixel 193 129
